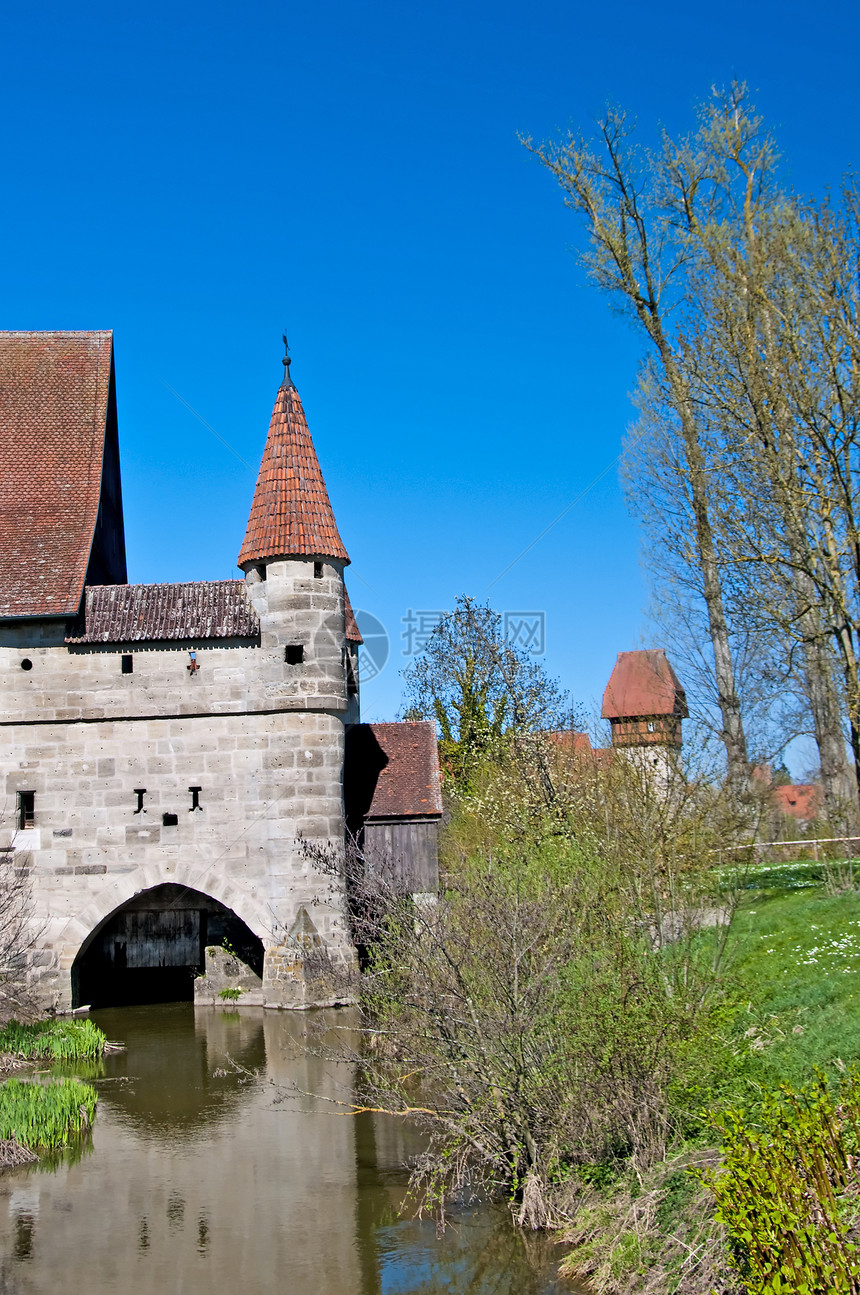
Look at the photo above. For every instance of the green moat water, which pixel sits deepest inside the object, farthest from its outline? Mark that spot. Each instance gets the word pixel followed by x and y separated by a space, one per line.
pixel 203 1177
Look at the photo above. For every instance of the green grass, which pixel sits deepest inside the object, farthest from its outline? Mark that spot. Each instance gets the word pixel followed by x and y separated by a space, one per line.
pixel 54 1040
pixel 797 956
pixel 45 1117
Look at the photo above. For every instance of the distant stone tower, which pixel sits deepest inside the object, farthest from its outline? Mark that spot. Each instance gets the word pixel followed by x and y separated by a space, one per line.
pixel 645 704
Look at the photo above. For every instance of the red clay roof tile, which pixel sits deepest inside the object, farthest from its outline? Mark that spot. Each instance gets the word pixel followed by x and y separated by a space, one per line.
pixel 54 390
pixel 291 515
pixel 643 683
pixel 408 786
pixel 204 609
pixel 802 800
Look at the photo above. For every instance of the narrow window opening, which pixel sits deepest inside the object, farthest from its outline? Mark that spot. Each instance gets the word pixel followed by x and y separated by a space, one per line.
pixel 294 654
pixel 140 792
pixel 169 820
pixel 650 726
pixel 26 664
pixel 127 663
pixel 26 809
pixel 261 571
pixel 318 571
pixel 195 799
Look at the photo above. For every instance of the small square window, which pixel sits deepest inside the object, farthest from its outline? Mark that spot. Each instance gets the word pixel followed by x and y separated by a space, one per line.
pixel 294 654
pixel 26 809
pixel 127 663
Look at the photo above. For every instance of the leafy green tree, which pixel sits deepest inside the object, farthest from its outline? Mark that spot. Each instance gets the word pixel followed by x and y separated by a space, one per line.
pixel 483 694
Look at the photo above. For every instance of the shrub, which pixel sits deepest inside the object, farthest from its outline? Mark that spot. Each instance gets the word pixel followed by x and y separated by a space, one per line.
pixel 787 1191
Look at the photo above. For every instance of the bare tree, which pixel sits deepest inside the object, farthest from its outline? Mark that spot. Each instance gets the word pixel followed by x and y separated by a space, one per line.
pixel 637 212
pixel 18 934
pixel 750 299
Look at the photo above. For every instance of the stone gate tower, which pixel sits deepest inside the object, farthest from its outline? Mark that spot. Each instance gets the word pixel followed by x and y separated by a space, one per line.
pixel 165 749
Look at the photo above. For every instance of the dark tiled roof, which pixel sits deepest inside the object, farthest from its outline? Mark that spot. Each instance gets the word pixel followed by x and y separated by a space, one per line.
pixel 206 609
pixel 643 683
pixel 291 514
pixel 353 633
pixel 392 771
pixel 54 390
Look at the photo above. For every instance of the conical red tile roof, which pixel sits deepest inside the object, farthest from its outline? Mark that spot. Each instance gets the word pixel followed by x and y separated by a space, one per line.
pixel 291 515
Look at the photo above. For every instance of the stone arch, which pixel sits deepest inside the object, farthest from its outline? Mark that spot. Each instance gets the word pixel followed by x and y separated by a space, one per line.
pixel 153 947
pixel 119 891
pixel 79 930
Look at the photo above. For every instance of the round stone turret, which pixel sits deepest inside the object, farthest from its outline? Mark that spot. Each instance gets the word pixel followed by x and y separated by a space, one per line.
pixel 293 559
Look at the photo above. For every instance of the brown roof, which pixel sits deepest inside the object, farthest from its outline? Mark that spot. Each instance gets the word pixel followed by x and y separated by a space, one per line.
pixel 643 683
pixel 206 609
pixel 54 395
pixel 391 771
pixel 291 515
pixel 353 633
pixel 578 746
pixel 409 785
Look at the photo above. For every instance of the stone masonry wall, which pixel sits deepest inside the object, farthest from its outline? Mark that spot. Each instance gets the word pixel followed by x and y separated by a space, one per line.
pixel 261 738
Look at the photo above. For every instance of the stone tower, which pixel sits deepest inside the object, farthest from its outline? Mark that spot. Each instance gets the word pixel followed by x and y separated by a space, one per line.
pixel 645 703
pixel 168 751
pixel 293 559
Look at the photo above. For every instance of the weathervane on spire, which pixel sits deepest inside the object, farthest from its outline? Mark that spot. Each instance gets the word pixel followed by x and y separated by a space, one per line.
pixel 287 382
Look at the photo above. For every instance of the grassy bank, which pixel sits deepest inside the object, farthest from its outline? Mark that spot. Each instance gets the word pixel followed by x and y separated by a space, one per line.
pixel 41 1118
pixel 45 1117
pixel 796 965
pixel 53 1040
pixel 798 958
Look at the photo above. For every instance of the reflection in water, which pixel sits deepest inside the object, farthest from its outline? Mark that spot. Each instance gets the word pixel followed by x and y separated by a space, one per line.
pixel 201 1177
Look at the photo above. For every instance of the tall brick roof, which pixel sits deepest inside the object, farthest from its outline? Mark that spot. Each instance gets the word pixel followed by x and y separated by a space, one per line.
pixel 291 515
pixel 643 683
pixel 204 609
pixel 55 393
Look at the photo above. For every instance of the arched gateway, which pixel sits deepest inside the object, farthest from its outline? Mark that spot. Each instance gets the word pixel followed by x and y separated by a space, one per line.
pixel 161 739
pixel 152 948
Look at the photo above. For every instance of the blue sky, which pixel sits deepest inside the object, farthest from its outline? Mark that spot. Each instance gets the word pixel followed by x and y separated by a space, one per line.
pixel 197 177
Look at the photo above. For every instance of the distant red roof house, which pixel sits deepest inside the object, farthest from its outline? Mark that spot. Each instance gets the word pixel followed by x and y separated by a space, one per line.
pixel 60 497
pixel 578 745
pixel 644 701
pixel 802 802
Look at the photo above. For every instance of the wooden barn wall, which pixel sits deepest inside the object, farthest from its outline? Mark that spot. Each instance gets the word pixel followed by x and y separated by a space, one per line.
pixel 407 851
